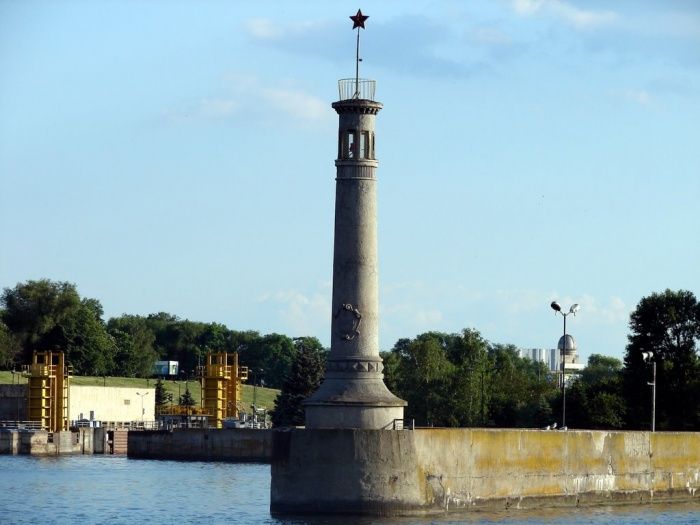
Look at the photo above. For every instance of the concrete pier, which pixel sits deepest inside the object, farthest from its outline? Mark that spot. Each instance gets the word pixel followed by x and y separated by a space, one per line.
pixel 43 443
pixel 434 471
pixel 238 445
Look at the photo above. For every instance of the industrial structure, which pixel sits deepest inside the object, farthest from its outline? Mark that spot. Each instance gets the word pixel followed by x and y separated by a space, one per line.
pixel 222 378
pixel 48 390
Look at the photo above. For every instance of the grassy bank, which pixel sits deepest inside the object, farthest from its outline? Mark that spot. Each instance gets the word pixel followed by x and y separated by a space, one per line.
pixel 265 397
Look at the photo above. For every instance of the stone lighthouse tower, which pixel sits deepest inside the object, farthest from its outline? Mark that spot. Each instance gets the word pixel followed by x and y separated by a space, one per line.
pixel 353 394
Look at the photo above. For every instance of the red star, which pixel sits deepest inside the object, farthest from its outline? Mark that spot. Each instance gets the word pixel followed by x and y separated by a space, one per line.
pixel 359 19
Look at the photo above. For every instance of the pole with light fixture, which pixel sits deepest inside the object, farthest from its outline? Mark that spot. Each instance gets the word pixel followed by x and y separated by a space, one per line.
pixel 143 410
pixel 557 308
pixel 649 358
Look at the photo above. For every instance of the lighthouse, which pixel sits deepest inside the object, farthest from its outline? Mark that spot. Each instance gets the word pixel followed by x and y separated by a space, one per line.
pixel 353 393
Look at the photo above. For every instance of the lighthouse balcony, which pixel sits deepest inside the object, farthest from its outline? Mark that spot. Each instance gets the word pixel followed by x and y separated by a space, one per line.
pixel 356 89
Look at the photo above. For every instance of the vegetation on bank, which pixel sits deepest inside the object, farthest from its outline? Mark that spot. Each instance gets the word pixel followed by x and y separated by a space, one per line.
pixel 448 379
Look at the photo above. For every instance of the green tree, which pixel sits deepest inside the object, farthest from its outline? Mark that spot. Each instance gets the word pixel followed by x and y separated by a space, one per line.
pixel 594 399
pixel 521 389
pixel 83 337
pixel 9 347
pixel 134 339
pixel 163 397
pixel 186 399
pixel 424 378
pixel 463 380
pixel 33 310
pixel 271 357
pixel 46 315
pixel 303 379
pixel 667 324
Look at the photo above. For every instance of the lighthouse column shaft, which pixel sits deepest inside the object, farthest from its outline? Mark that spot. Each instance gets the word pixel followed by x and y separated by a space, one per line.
pixel 353 393
pixel 354 325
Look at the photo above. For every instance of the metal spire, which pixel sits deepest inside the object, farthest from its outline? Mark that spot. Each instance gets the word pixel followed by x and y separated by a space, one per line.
pixel 358 21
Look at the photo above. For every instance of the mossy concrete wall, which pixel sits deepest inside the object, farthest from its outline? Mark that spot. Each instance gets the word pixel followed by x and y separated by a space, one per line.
pixel 240 444
pixel 383 472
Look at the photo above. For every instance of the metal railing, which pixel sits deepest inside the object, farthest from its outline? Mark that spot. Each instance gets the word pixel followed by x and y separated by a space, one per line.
pixel 401 424
pixel 21 425
pixel 356 89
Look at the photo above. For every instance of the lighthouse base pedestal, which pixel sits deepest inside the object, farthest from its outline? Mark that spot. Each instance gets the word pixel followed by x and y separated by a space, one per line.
pixel 354 416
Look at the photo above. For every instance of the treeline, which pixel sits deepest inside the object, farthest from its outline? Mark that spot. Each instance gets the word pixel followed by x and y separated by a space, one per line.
pixel 46 315
pixel 448 379
pixel 463 380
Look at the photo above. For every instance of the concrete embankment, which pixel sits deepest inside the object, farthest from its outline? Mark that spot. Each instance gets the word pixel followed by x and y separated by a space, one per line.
pixel 385 472
pixel 240 444
pixel 43 443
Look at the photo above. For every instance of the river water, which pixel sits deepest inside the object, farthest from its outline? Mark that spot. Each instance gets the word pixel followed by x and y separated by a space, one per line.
pixel 116 490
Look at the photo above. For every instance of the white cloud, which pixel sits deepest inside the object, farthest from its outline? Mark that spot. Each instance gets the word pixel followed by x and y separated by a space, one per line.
pixel 301 313
pixel 267 29
pixel 611 311
pixel 248 97
pixel 579 18
pixel 263 29
pixel 297 104
pixel 527 7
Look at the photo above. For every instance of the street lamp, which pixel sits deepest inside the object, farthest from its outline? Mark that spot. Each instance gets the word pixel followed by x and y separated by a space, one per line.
pixel 557 309
pixel 143 410
pixel 649 358
pixel 255 385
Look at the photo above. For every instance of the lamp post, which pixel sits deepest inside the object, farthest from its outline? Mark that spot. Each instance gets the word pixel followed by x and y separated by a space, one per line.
pixel 143 410
pixel 557 308
pixel 255 385
pixel 649 358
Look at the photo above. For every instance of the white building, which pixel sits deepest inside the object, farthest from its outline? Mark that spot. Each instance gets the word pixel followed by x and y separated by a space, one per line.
pixel 548 356
pixel 118 405
pixel 552 356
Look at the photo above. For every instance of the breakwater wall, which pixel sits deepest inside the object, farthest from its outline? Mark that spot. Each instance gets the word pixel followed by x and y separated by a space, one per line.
pixel 428 471
pixel 239 444
pixel 43 443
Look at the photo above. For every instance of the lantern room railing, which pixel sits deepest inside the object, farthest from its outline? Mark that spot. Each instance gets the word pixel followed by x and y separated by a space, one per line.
pixel 356 89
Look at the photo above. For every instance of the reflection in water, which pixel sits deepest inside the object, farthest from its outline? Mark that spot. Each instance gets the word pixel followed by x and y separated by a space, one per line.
pixel 116 490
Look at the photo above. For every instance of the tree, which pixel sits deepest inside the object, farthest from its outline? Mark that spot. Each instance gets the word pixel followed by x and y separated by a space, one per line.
pixel 33 310
pixel 186 399
pixel 273 354
pixel 594 399
pixel 667 324
pixel 134 339
pixel 304 378
pixel 163 397
pixel 521 389
pixel 9 347
pixel 425 374
pixel 463 380
pixel 47 315
pixel 83 337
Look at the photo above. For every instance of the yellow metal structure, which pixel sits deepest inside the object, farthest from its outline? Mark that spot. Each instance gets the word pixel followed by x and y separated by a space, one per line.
pixel 221 386
pixel 48 388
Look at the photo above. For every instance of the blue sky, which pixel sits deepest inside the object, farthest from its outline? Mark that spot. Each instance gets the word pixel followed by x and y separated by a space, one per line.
pixel 178 156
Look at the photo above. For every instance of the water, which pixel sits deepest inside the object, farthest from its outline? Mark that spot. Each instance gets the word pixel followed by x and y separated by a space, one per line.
pixel 116 490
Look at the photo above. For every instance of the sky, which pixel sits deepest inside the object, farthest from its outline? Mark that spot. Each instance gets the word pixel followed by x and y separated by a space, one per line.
pixel 178 156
